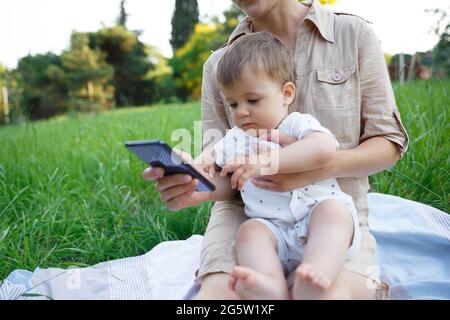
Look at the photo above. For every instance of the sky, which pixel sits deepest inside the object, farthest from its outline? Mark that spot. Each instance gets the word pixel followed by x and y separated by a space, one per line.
pixel 39 26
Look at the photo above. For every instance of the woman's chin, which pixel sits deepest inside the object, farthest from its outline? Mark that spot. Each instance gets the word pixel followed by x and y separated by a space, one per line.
pixel 251 8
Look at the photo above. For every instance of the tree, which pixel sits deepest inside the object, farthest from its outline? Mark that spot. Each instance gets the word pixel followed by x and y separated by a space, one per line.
pixel 162 76
pixel 3 76
pixel 87 75
pixel 123 15
pixel 3 71
pixel 441 52
pixel 3 79
pixel 184 19
pixel 131 62
pixel 187 63
pixel 41 80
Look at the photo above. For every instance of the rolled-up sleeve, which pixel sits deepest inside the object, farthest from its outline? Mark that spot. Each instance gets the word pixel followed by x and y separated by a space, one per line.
pixel 379 113
pixel 212 108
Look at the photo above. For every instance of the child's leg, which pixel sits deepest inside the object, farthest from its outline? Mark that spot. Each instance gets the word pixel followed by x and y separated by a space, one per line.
pixel 330 235
pixel 259 274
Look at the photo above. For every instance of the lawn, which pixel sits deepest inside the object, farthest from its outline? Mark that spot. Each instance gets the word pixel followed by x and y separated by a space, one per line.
pixel 72 195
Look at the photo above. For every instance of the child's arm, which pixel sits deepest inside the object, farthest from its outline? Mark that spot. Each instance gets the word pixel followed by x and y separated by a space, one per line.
pixel 314 151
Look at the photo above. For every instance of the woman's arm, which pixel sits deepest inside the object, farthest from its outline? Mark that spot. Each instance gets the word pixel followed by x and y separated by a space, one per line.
pixel 372 156
pixel 383 139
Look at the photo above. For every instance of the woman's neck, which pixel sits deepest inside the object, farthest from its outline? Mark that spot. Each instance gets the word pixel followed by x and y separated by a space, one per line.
pixel 283 20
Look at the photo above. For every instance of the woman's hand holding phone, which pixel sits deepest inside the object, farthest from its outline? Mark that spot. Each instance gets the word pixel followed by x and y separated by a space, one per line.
pixel 177 191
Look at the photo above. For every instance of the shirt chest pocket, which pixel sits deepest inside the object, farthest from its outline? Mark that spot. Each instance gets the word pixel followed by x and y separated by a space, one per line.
pixel 336 88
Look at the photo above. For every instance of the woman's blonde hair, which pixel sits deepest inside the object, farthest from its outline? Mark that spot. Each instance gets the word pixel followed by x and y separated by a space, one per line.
pixel 262 50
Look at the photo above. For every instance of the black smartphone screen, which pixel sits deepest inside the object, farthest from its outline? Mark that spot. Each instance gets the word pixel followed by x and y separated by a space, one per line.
pixel 158 154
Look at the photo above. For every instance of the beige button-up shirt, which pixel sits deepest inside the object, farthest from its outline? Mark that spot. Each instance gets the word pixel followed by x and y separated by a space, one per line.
pixel 342 80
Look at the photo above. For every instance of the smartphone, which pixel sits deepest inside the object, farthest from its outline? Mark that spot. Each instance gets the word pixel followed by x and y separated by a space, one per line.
pixel 158 154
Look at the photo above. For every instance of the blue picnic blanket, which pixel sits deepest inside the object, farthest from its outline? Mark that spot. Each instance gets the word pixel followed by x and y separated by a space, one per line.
pixel 413 253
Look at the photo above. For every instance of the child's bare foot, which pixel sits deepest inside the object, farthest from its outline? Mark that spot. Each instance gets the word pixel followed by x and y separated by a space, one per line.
pixel 251 285
pixel 313 276
pixel 310 282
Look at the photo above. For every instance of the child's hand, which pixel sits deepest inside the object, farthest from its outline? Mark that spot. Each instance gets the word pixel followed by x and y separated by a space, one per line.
pixel 210 169
pixel 207 161
pixel 243 169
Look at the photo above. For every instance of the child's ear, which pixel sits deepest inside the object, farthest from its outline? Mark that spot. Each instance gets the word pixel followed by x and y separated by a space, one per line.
pixel 289 93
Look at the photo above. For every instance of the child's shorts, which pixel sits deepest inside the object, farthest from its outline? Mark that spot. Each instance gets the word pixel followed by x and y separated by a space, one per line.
pixel 292 238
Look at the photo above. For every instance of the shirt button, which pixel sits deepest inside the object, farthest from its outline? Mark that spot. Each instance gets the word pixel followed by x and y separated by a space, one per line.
pixel 337 76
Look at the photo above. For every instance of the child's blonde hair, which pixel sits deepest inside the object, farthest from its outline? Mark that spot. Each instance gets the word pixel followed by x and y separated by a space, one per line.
pixel 262 50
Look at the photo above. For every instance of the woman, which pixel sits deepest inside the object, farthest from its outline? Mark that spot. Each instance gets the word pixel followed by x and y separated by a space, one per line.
pixel 344 83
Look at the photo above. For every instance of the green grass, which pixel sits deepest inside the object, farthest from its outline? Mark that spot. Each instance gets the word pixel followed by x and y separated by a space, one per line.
pixel 423 174
pixel 72 195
